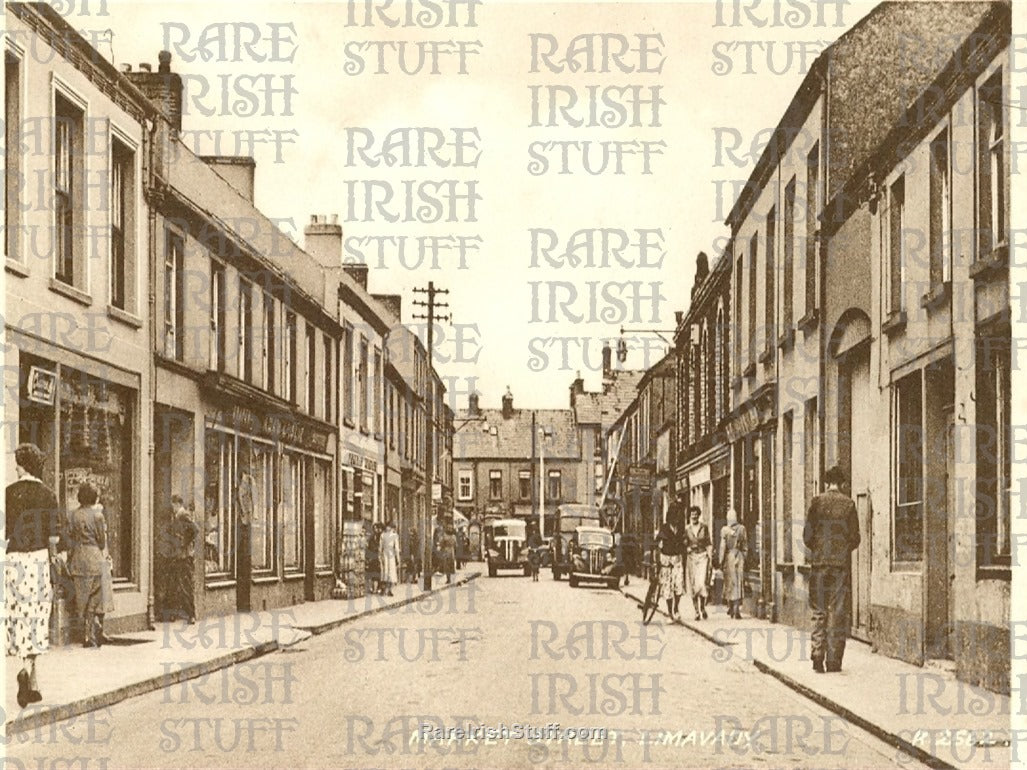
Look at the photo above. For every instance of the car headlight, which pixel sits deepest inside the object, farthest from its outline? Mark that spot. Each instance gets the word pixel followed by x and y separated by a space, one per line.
pixel 493 553
pixel 609 557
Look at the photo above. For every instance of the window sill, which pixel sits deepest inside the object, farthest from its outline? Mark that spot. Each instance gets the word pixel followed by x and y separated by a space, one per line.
pixel 124 317
pixel 13 266
pixel 767 355
pixel 293 576
pixel 995 572
pixel 348 422
pixel 995 262
pixel 787 339
pixel 937 296
pixel 894 323
pixel 70 292
pixel 785 568
pixel 264 579
pixel 365 431
pixel 323 571
pixel 803 569
pixel 750 370
pixel 219 582
pixel 907 568
pixel 809 321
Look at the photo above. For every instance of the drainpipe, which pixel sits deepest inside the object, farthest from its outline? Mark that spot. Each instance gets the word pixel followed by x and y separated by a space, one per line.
pixel 151 196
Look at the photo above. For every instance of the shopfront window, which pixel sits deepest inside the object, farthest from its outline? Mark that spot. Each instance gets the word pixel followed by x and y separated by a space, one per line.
pixel 95 434
pixel 262 528
pixel 219 475
pixel 293 496
pixel 324 513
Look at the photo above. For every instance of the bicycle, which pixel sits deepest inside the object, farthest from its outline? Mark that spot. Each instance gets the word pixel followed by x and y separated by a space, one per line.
pixel 652 596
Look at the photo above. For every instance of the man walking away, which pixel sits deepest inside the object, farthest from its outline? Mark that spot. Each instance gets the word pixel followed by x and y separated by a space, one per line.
pixel 831 534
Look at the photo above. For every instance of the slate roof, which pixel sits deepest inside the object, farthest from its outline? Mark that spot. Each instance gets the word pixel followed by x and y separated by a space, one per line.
pixel 603 408
pixel 474 438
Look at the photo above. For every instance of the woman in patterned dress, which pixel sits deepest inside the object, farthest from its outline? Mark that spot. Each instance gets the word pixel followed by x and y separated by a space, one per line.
pixel 670 545
pixel 32 539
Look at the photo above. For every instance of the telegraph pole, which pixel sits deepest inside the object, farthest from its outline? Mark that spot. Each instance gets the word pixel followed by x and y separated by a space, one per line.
pixel 430 315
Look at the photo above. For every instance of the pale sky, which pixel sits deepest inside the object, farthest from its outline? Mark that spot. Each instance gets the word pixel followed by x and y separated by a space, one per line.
pixel 706 87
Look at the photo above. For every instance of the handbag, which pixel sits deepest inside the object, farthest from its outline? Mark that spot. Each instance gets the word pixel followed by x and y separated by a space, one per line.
pixel 107 583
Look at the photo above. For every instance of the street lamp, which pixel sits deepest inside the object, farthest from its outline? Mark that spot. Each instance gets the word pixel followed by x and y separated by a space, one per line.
pixel 542 434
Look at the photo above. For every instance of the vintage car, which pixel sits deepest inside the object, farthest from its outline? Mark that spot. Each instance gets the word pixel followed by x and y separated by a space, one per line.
pixel 506 545
pixel 595 557
pixel 569 517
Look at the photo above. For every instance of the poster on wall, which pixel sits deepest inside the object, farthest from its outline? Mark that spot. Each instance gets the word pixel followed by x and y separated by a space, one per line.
pixel 76 477
pixel 42 385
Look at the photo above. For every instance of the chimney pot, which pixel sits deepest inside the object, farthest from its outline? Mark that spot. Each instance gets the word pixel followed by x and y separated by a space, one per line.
pixel 313 219
pixel 607 359
pixel 126 67
pixel 164 61
pixel 145 67
pixel 335 219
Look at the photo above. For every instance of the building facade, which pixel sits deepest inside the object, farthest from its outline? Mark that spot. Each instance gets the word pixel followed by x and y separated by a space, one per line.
pixel 77 322
pixel 702 346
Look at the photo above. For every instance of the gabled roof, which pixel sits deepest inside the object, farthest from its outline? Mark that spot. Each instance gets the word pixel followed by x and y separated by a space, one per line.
pixel 620 387
pixel 488 434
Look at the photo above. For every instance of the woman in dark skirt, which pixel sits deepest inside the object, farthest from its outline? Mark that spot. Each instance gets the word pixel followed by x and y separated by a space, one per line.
pixel 32 539
pixel 447 554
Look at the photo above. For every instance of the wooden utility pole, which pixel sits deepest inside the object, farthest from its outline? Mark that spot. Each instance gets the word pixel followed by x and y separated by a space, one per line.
pixel 431 306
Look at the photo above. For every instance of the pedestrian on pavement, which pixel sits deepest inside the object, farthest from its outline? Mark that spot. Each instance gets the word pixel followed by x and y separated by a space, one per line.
pixel 87 543
pixel 831 534
pixel 447 558
pixel 372 561
pixel 734 545
pixel 629 555
pixel 698 561
pixel 32 542
pixel 179 537
pixel 534 552
pixel 670 545
pixel 389 557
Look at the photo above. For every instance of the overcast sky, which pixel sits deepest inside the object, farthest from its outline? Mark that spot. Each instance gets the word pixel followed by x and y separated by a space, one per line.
pixel 324 81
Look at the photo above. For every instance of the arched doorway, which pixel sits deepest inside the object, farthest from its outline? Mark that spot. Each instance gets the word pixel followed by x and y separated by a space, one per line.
pixel 850 349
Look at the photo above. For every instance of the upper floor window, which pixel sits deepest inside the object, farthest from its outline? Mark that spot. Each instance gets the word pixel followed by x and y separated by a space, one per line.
pixel 311 370
pixel 217 316
pixel 991 161
pixel 329 379
pixel 12 156
pixel 554 491
pixel 994 448
pixel 174 290
pixel 268 344
pixel 290 354
pixel 788 268
pixel 524 484
pixel 770 299
pixel 245 331
pixel 347 371
pixel 940 227
pixel 812 192
pixel 122 202
pixel 376 390
pixel 896 243
pixel 495 484
pixel 362 374
pixel 753 252
pixel 69 206
pixel 464 489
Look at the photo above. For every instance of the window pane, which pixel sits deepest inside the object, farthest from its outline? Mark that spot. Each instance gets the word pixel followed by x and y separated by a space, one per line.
pixel 909 484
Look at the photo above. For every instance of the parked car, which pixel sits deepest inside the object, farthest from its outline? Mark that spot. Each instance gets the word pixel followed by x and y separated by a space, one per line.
pixel 506 545
pixel 569 517
pixel 595 557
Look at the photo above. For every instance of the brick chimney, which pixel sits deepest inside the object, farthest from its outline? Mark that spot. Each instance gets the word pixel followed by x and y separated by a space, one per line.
pixel 358 272
pixel 472 404
pixel 322 239
pixel 607 359
pixel 508 408
pixel 163 87
pixel 577 388
pixel 394 302
pixel 238 170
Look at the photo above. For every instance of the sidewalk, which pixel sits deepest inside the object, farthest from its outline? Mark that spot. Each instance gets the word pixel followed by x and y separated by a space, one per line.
pixel 926 712
pixel 75 681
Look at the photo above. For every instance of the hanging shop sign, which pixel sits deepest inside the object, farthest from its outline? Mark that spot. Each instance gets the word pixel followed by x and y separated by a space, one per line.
pixel 42 385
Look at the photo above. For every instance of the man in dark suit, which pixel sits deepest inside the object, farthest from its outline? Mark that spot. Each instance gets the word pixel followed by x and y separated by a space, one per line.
pixel 831 534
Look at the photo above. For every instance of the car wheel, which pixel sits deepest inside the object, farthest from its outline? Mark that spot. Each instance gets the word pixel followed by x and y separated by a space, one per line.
pixel 556 574
pixel 492 571
pixel 573 581
pixel 615 583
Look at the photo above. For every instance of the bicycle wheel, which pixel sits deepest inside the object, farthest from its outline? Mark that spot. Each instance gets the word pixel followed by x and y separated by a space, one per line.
pixel 652 599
